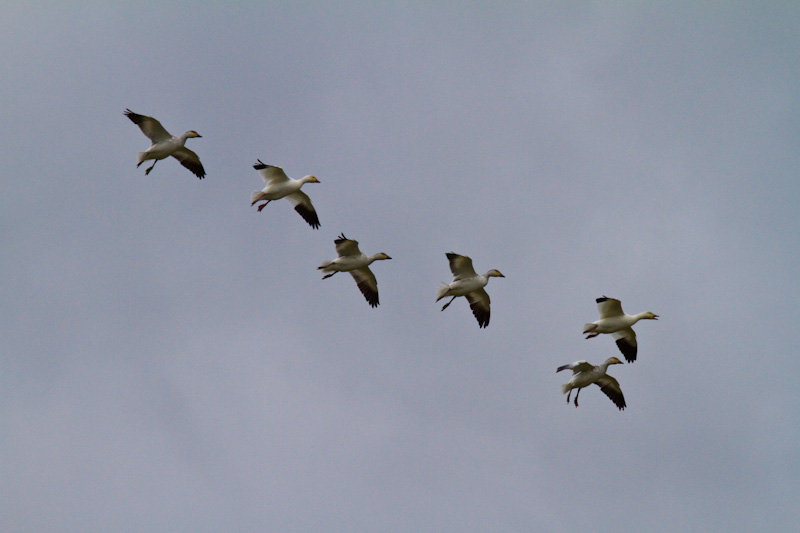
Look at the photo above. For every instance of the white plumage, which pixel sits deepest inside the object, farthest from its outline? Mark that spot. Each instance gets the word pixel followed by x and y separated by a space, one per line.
pixel 470 285
pixel 352 260
pixel 614 321
pixel 584 374
pixel 165 144
pixel 279 185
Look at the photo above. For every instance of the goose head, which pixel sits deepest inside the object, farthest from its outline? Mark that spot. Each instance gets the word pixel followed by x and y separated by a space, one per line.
pixel 381 255
pixel 613 361
pixel 494 273
pixel 310 179
pixel 191 133
pixel 649 315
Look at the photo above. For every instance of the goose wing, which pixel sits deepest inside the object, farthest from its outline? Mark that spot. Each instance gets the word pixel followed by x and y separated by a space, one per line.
pixel 609 307
pixel 479 303
pixel 152 128
pixel 346 247
pixel 367 284
pixel 626 342
pixel 577 367
pixel 461 267
pixel 190 160
pixel 270 173
pixel 302 204
pixel 611 388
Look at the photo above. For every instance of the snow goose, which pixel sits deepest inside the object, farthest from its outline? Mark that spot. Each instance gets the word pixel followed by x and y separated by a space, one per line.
pixel 165 144
pixel 352 260
pixel 613 320
pixel 469 284
pixel 584 374
pixel 279 185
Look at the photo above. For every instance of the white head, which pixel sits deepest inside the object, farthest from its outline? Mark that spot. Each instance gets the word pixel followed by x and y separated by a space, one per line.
pixel 649 315
pixel 381 255
pixel 613 361
pixel 192 133
pixel 494 273
pixel 310 179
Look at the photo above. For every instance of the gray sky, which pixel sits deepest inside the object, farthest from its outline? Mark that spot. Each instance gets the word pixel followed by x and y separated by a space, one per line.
pixel 171 361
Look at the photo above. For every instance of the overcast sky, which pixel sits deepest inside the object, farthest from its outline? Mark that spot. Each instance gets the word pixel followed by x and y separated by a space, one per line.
pixel 170 359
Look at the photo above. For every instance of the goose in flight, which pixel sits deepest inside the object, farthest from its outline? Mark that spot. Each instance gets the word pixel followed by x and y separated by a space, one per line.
pixel 165 144
pixel 469 284
pixel 613 320
pixel 279 185
pixel 352 260
pixel 584 374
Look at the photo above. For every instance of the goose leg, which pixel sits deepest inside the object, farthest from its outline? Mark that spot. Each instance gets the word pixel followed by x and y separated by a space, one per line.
pixel 262 206
pixel 568 394
pixel 326 276
pixel 576 397
pixel 146 172
pixel 448 303
pixel 591 335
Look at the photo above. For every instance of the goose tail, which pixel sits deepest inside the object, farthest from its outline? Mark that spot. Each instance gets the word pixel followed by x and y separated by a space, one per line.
pixel 441 292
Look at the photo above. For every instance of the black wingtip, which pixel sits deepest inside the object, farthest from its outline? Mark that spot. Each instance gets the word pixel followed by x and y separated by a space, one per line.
pixel 136 118
pixel 627 350
pixel 260 165
pixel 602 299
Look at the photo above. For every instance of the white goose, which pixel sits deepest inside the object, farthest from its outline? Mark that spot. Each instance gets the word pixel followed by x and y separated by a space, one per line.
pixel 613 320
pixel 165 144
pixel 352 260
pixel 469 284
pixel 279 185
pixel 584 374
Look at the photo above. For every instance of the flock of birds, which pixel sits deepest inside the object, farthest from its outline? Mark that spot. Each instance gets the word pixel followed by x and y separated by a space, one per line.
pixel 466 282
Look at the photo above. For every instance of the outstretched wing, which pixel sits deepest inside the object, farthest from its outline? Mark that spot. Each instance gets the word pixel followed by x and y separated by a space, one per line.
pixel 609 307
pixel 190 160
pixel 152 128
pixel 611 388
pixel 302 204
pixel 479 303
pixel 577 367
pixel 270 173
pixel 626 342
pixel 367 284
pixel 345 246
pixel 460 266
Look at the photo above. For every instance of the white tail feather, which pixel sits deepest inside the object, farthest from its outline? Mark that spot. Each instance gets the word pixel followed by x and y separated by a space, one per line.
pixel 565 388
pixel 441 292
pixel 255 196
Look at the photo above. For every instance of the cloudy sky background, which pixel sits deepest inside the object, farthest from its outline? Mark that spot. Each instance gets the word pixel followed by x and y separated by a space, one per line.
pixel 171 361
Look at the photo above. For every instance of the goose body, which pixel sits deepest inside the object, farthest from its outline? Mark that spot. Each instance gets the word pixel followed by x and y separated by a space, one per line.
pixel 351 259
pixel 165 144
pixel 279 185
pixel 467 283
pixel 584 374
pixel 616 322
